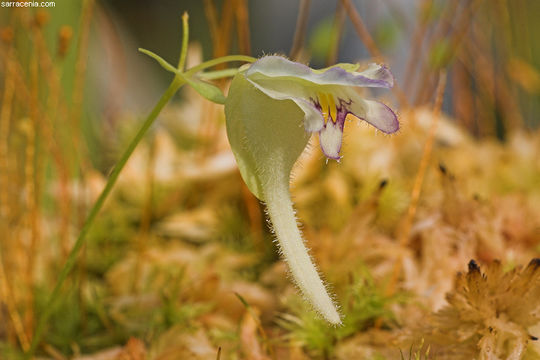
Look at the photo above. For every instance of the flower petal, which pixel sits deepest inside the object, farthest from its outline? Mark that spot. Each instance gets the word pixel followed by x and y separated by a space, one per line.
pixel 330 138
pixel 313 119
pixel 378 72
pixel 279 67
pixel 371 111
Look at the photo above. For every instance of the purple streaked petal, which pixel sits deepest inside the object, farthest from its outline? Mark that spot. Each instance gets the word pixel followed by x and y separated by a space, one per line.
pixel 279 67
pixel 313 118
pixel 379 72
pixel 375 113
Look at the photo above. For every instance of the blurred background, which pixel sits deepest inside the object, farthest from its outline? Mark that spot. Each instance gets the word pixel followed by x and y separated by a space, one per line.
pixel 180 261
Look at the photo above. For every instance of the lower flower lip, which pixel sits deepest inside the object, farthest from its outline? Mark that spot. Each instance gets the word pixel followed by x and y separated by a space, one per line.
pixel 330 156
pixel 333 129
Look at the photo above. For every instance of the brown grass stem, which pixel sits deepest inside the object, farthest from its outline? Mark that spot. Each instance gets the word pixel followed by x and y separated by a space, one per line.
pixel 5 116
pixel 442 32
pixel 224 34
pixel 301 27
pixel 463 98
pixel 58 109
pixel 370 45
pixel 210 12
pixel 43 122
pixel 30 185
pixel 80 65
pixel 461 28
pixel 242 27
pixel 362 30
pixel 6 294
pixel 337 32
pixel 501 93
pixel 5 214
pixel 416 44
pixel 491 91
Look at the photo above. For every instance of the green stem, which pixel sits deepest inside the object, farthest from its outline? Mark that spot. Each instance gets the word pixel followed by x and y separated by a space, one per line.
pixel 207 64
pixel 164 64
pixel 218 74
pixel 218 61
pixel 185 39
pixel 70 262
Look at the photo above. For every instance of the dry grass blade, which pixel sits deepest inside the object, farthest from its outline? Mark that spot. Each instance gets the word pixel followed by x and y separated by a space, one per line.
pixel 362 30
pixel 454 41
pixel 210 12
pixel 370 44
pixel 81 63
pixel 7 297
pixel 5 118
pixel 300 31
pixel 242 27
pixel 416 43
pixel 337 32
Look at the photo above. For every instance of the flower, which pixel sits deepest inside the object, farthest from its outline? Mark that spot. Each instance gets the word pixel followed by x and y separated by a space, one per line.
pixel 326 96
pixel 266 106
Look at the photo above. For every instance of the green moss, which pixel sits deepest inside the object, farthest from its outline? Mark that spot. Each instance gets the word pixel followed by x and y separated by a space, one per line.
pixel 421 352
pixel 363 303
pixel 78 320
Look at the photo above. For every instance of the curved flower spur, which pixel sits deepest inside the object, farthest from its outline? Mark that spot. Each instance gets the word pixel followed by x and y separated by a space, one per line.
pixel 272 108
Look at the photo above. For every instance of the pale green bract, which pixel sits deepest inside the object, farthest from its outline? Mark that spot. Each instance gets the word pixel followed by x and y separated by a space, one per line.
pixel 272 107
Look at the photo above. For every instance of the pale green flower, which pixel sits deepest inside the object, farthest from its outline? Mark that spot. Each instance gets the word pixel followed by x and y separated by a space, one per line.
pixel 272 108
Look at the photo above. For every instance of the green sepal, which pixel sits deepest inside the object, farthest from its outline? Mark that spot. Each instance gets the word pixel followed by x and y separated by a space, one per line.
pixel 207 90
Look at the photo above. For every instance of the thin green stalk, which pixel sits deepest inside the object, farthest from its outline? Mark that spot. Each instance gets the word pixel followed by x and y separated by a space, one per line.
pixel 223 59
pixel 218 74
pixel 70 262
pixel 161 61
pixel 207 64
pixel 185 39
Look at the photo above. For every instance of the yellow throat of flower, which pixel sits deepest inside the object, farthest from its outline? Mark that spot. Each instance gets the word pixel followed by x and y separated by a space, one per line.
pixel 328 107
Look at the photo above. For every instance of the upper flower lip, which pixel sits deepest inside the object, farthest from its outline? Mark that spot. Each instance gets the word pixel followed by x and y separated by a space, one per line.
pixel 277 66
pixel 326 96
